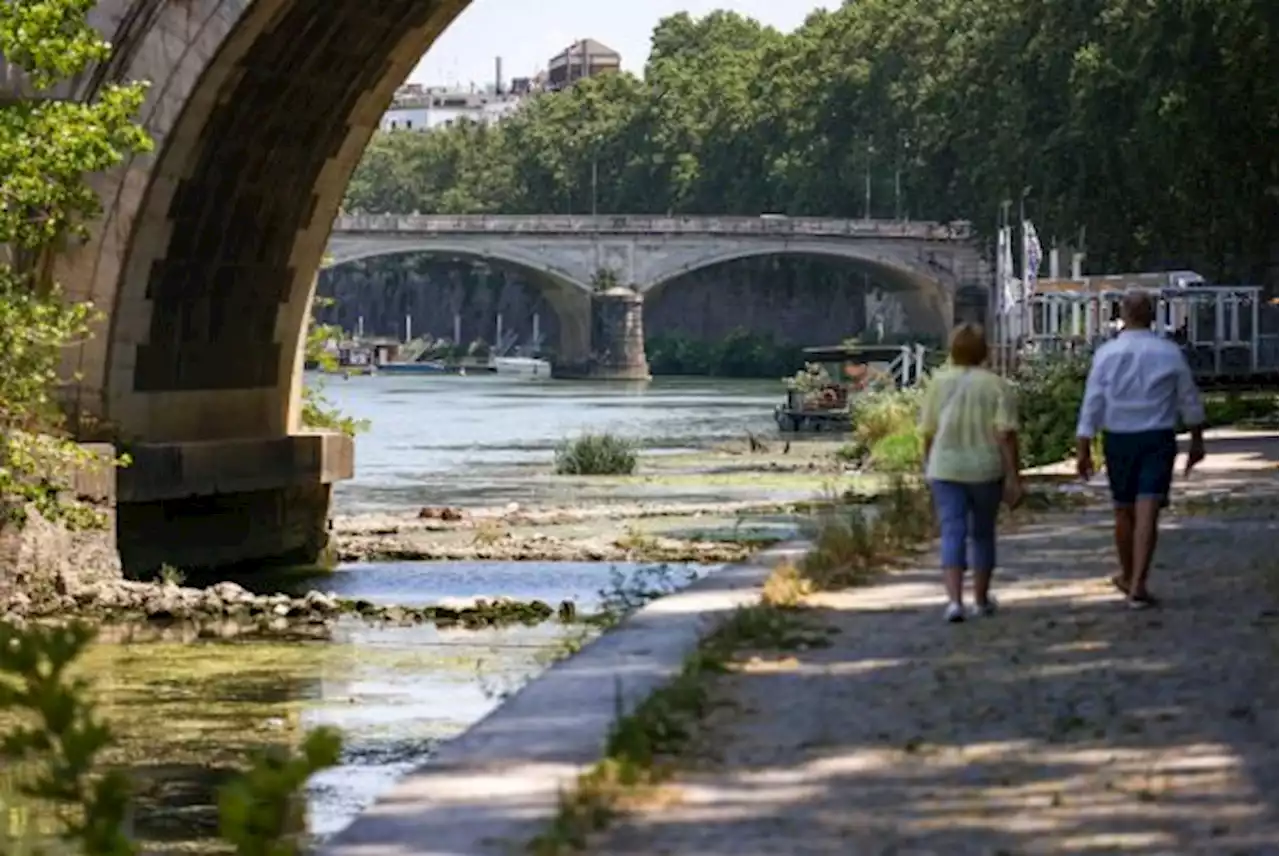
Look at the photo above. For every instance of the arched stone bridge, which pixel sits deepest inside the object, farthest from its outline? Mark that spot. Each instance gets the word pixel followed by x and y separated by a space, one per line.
pixel 204 260
pixel 923 264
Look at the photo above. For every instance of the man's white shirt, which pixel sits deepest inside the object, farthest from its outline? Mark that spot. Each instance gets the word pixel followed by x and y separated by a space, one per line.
pixel 1138 382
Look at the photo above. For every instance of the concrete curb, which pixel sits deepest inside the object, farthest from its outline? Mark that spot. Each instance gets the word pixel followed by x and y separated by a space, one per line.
pixel 492 789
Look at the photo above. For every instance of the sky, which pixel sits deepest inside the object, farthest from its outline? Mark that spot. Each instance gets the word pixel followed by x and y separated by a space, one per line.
pixel 527 34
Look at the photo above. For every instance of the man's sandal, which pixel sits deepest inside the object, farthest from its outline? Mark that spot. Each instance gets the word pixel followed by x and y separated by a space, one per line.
pixel 1143 601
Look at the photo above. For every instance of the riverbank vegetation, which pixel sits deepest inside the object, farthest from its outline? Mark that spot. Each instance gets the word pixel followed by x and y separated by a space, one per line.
pixel 885 437
pixel 48 147
pixel 1160 145
pixel 596 455
pixel 741 354
pixel 317 410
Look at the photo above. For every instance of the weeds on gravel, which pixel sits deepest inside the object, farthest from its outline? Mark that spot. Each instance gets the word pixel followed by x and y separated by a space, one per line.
pixel 786 587
pixel 488 533
pixel 642 744
pixel 851 546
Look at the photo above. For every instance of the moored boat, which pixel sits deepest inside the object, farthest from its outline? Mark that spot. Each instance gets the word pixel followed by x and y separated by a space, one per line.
pixel 521 366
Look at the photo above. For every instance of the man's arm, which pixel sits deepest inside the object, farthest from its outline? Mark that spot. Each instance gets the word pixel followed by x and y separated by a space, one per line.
pixel 1191 409
pixel 1093 410
pixel 1093 407
pixel 1006 425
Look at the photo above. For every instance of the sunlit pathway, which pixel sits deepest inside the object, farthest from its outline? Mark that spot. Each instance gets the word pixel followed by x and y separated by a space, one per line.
pixel 1066 724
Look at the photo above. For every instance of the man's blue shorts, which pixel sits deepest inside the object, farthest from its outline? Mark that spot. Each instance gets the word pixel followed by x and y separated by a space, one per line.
pixel 1140 465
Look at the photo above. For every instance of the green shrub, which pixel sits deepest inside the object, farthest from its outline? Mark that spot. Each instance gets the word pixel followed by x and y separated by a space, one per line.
pixel 878 415
pixel 596 455
pixel 1049 390
pixel 55 750
pixel 898 453
pixel 1240 409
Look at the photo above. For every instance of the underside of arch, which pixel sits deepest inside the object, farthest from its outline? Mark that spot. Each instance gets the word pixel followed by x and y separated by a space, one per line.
pixel 926 301
pixel 205 336
pixel 570 300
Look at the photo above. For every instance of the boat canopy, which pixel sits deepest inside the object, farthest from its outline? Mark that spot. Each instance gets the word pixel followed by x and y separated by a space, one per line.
pixel 852 353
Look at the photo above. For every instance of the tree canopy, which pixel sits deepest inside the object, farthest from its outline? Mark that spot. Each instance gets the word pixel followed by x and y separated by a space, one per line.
pixel 1152 125
pixel 48 146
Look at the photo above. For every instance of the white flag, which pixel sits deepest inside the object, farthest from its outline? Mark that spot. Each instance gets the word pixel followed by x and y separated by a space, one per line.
pixel 1011 284
pixel 1032 255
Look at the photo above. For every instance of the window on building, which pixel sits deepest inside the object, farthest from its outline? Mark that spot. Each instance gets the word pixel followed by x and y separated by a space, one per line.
pixel 408 124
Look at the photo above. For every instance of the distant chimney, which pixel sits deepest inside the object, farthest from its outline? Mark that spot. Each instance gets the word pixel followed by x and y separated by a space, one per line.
pixel 497 75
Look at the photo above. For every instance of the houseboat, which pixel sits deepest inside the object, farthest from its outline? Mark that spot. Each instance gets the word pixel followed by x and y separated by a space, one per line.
pixel 819 396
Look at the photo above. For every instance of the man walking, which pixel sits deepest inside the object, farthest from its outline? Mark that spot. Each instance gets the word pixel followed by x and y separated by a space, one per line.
pixel 1139 384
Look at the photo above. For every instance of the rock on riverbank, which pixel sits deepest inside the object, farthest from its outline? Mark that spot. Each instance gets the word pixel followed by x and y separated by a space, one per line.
pixel 234 609
pixel 537 547
pixel 447 518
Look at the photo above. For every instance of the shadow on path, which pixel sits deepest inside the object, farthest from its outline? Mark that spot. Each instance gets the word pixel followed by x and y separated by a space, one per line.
pixel 1066 724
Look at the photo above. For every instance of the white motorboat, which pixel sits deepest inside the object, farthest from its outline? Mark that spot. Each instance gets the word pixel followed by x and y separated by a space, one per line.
pixel 523 366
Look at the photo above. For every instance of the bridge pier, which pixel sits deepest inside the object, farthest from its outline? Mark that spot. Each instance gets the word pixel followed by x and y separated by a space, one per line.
pixel 617 340
pixel 221 503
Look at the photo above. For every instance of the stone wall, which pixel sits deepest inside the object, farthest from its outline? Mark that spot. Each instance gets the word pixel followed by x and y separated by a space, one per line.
pixel 801 301
pixel 383 291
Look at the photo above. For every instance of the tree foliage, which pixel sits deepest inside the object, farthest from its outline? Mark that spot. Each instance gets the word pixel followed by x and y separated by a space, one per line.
pixel 1152 125
pixel 317 410
pixel 47 148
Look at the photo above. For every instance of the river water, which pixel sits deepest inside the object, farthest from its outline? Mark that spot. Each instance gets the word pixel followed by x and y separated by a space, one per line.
pixel 487 440
pixel 186 711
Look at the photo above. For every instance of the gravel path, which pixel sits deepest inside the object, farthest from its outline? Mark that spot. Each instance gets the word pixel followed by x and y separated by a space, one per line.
pixel 1064 725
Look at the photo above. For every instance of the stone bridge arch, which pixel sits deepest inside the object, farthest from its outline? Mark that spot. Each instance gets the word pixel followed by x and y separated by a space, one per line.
pixel 571 300
pixel 204 261
pixel 926 297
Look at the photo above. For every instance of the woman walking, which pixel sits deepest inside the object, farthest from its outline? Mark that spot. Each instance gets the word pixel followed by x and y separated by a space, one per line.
pixel 968 420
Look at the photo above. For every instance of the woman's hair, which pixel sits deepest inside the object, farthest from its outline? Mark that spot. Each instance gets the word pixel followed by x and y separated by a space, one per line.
pixel 968 345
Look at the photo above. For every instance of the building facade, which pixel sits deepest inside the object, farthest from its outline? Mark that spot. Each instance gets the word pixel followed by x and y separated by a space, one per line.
pixel 424 108
pixel 584 58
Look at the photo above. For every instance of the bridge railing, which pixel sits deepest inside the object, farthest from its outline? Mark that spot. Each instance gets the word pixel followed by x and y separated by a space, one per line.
pixel 644 224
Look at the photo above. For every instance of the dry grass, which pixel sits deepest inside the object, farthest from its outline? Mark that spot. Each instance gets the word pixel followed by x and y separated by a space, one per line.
pixel 786 587
pixel 851 546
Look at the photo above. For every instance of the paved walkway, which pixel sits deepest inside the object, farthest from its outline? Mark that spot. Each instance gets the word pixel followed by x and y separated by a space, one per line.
pixel 1064 725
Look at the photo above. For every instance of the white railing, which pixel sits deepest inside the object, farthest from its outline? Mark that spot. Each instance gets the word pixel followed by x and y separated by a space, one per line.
pixel 644 224
pixel 909 367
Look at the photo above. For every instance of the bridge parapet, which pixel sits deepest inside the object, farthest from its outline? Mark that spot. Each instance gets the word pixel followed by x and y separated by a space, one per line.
pixel 644 224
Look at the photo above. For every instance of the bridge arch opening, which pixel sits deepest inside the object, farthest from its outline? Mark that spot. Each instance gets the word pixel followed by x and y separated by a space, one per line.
pixel 924 299
pixel 208 259
pixel 569 301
